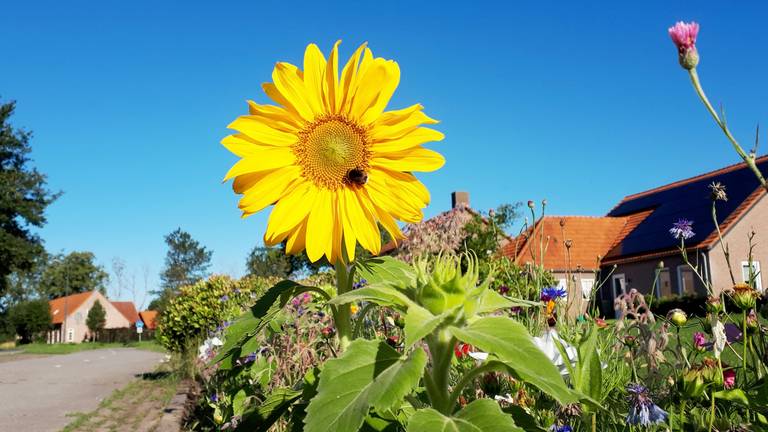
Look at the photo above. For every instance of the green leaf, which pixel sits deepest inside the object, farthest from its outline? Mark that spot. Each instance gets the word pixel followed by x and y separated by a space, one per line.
pixel 381 294
pixel 260 417
pixel 511 343
pixel 420 322
pixel 253 321
pixel 386 270
pixel 482 415
pixel 238 402
pixel 589 371
pixel 491 301
pixel 733 395
pixel 370 374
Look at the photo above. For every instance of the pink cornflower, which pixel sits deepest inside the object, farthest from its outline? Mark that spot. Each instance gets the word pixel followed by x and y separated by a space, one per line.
pixel 699 341
pixel 684 37
pixel 729 378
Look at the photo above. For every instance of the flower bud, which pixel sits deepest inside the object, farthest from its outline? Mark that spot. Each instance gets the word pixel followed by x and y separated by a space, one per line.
pixel 714 305
pixel 693 384
pixel 684 37
pixel 677 317
pixel 744 296
pixel 531 204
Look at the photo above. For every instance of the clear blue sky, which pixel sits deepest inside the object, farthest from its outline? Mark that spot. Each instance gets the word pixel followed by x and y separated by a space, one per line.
pixel 577 102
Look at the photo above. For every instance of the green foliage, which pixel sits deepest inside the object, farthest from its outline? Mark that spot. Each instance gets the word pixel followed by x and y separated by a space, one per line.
pixel 24 197
pixel 483 415
pixel 203 307
pixel 268 261
pixel 186 262
pixel 370 374
pixel 485 231
pixel 97 318
pixel 73 273
pixel 30 318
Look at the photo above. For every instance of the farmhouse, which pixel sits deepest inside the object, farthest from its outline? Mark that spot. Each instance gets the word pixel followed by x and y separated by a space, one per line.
pixel 69 316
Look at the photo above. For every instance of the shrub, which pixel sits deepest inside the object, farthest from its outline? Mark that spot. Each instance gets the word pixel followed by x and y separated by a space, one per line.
pixel 96 319
pixel 204 306
pixel 30 318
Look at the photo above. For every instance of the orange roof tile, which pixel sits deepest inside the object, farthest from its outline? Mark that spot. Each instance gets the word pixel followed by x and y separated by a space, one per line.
pixel 591 238
pixel 149 317
pixel 127 309
pixel 66 305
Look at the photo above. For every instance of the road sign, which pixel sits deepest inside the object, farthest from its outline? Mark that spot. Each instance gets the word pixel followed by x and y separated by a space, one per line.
pixel 139 324
pixel 139 330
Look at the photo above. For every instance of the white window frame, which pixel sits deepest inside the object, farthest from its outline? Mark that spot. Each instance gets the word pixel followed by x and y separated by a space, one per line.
pixel 623 285
pixel 680 287
pixel 587 287
pixel 758 273
pixel 70 335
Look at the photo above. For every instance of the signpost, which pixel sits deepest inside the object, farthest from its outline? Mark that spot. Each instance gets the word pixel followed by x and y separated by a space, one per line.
pixel 139 328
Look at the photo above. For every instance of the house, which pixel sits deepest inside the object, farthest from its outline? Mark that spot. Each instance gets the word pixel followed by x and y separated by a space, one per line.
pixel 69 316
pixel 149 318
pixel 128 310
pixel 633 248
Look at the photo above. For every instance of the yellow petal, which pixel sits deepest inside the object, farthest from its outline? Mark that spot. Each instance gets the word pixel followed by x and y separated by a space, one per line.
pixel 349 78
pixel 388 85
pixel 390 118
pixel 336 235
pixel 246 181
pixel 320 227
pixel 269 190
pixel 415 138
pixel 406 182
pixel 297 239
pixel 389 224
pixel 397 129
pixel 358 219
pixel 271 90
pixel 255 128
pixel 290 211
pixel 401 203
pixel 289 82
pixel 243 145
pixel 350 239
pixel 277 117
pixel 369 86
pixel 332 93
pixel 314 69
pixel 267 159
pixel 370 229
pixel 416 159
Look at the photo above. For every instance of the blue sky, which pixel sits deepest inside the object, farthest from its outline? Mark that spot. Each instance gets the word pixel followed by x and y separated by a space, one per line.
pixel 580 103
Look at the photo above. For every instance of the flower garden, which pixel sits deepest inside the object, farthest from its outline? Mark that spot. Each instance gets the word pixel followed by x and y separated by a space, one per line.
pixel 436 336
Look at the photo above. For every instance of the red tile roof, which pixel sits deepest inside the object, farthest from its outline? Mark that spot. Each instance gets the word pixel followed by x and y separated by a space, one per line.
pixel 591 238
pixel 68 305
pixel 149 317
pixel 127 309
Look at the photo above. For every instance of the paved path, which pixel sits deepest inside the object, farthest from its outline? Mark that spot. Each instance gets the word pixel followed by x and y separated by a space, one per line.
pixel 37 394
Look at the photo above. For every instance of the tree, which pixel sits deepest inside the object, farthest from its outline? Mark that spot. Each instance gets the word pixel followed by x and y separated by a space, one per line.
pixel 73 273
pixel 96 319
pixel 186 262
pixel 485 231
pixel 268 261
pixel 23 200
pixel 30 318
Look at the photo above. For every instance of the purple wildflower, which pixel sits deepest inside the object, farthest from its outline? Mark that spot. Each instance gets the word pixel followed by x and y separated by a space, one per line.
pixel 214 397
pixel 503 290
pixel 553 293
pixel 224 298
pixel 700 341
pixel 236 291
pixel 642 410
pixel 732 333
pixel 563 428
pixel 360 284
pixel 250 358
pixel 682 229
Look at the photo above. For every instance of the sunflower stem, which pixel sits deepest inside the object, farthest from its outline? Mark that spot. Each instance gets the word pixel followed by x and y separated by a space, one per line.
pixel 342 313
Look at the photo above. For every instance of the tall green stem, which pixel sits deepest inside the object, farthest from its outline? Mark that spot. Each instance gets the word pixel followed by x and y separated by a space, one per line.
pixel 712 411
pixel 437 378
pixel 744 342
pixel 750 161
pixel 342 313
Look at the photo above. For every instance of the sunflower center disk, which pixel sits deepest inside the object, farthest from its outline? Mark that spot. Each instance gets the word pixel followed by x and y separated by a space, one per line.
pixel 329 148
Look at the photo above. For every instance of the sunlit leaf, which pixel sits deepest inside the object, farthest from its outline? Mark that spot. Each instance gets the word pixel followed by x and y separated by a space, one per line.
pixel 482 415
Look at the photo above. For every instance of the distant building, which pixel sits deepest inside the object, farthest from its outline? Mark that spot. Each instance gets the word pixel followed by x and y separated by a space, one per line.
pixel 633 244
pixel 149 318
pixel 69 316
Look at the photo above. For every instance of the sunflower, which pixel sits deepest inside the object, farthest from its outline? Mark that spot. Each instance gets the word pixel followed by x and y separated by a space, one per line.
pixel 329 157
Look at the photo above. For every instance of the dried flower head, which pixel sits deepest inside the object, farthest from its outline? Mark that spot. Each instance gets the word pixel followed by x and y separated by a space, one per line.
pixel 744 296
pixel 718 192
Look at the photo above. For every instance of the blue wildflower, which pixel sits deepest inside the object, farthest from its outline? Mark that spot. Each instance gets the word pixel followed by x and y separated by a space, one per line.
pixel 642 410
pixel 236 291
pixel 360 284
pixel 563 428
pixel 553 293
pixel 224 298
pixel 682 229
pixel 214 397
pixel 250 358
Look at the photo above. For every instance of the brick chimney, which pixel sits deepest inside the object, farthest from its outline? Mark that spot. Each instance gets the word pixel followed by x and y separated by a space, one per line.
pixel 459 199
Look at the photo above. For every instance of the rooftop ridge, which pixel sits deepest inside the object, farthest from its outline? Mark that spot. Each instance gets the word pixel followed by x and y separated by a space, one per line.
pixel 724 170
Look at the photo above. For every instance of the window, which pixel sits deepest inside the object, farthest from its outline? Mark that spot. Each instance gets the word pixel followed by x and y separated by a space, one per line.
pixel 663 286
pixel 586 288
pixel 752 274
pixel 685 281
pixel 70 335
